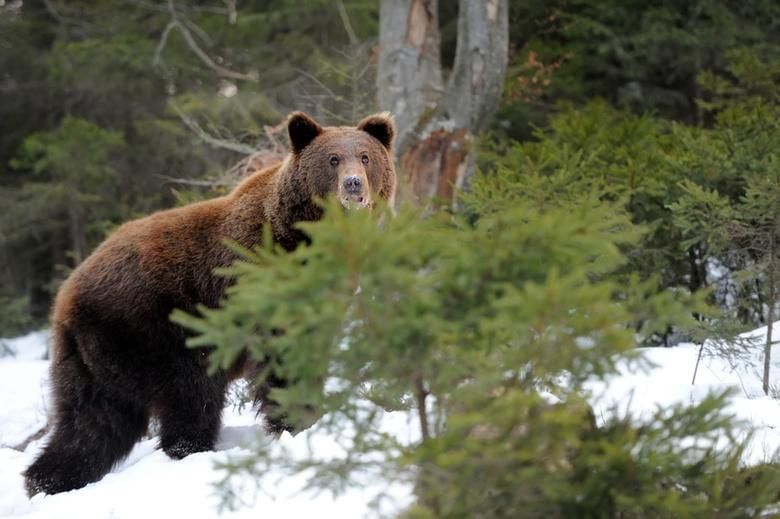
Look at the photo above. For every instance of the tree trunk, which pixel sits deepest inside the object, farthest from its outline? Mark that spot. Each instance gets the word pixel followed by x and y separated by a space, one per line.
pixel 770 314
pixel 477 79
pixel 436 127
pixel 409 71
pixel 768 351
pixel 78 239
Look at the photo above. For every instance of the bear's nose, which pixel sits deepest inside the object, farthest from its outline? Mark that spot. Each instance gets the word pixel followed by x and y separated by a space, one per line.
pixel 353 185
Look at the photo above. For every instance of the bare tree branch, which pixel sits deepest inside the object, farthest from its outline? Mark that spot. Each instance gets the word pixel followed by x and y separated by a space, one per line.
pixel 317 82
pixel 40 433
pixel 271 132
pixel 162 43
pixel 203 35
pixel 200 53
pixel 195 182
pixel 53 12
pixel 353 39
pixel 210 139
pixel 154 6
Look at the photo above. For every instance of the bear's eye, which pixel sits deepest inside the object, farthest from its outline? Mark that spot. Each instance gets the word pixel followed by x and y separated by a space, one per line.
pixel 334 161
pixel 364 159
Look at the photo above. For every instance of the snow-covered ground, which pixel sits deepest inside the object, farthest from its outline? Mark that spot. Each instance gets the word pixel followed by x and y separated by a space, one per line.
pixel 670 383
pixel 148 484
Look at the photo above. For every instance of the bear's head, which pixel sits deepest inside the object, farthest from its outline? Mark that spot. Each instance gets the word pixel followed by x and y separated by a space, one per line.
pixel 353 163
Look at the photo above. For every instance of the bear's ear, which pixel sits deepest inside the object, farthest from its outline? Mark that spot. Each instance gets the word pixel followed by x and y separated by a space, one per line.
pixel 302 129
pixel 380 126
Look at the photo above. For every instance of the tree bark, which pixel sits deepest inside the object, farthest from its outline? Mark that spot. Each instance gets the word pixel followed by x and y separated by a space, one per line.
pixel 477 78
pixel 436 126
pixel 409 72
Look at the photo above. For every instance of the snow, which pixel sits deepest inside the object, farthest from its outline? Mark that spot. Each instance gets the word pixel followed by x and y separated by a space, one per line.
pixel 669 383
pixel 149 484
pixel 33 346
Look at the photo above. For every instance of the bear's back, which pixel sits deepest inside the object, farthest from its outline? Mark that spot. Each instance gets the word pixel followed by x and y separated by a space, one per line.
pixel 146 265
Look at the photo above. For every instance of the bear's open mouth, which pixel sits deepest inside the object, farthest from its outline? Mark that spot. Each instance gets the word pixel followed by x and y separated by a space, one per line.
pixel 355 202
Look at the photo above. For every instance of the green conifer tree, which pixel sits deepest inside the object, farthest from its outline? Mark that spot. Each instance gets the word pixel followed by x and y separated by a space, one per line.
pixel 734 210
pixel 486 331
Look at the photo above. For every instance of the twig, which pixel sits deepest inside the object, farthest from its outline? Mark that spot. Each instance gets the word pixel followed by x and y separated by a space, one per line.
pixel 203 35
pixel 222 71
pixel 200 53
pixel 153 6
pixel 162 43
pixel 195 182
pixel 33 437
pixel 5 349
pixel 698 359
pixel 210 139
pixel 353 39
pixel 317 82
pixel 271 132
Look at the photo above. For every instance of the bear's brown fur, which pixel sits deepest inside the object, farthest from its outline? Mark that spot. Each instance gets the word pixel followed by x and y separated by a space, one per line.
pixel 118 360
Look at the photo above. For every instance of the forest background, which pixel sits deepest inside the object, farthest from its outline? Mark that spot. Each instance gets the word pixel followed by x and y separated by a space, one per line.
pixel 598 175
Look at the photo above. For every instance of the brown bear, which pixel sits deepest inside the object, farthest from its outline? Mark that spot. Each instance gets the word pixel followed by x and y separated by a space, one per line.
pixel 117 359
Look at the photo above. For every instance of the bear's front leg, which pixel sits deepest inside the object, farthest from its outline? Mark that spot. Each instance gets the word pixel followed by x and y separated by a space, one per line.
pixel 277 420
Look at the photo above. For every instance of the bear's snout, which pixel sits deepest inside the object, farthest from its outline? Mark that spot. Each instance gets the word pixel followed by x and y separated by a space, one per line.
pixel 353 192
pixel 353 185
